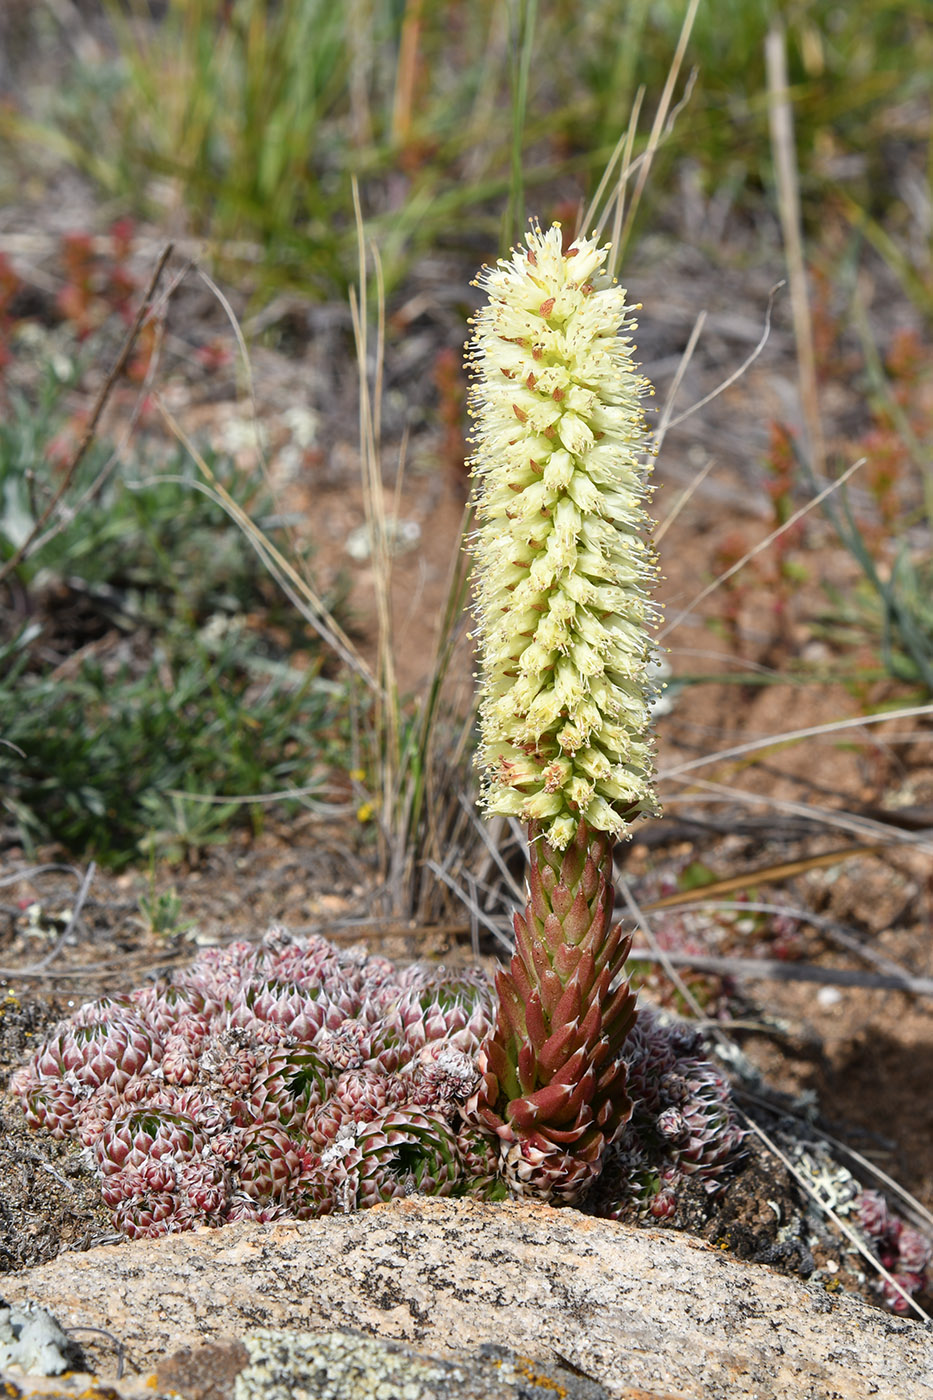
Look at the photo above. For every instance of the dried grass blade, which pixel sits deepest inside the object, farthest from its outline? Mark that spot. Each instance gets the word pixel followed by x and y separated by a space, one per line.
pixel 791 736
pixel 314 610
pixel 761 545
pixel 764 875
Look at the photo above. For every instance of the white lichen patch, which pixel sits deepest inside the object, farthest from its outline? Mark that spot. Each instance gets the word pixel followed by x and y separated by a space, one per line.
pixel 333 1366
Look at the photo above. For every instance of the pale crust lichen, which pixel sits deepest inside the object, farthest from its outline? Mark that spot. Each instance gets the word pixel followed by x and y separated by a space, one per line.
pixel 564 563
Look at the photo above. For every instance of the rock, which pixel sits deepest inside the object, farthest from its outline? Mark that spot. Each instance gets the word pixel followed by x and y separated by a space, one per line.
pixel 346 1366
pixel 326 1366
pixel 205 1373
pixel 32 1342
pixel 631 1310
pixel 78 1385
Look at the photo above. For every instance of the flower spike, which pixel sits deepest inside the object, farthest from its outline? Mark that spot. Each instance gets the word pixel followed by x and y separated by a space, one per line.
pixel 564 569
pixel 564 573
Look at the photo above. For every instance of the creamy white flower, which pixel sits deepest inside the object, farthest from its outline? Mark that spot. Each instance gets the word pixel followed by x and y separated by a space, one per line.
pixel 564 570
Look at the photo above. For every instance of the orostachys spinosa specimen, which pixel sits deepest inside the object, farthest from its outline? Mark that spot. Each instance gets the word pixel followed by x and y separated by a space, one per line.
pixel 199 1102
pixel 292 1079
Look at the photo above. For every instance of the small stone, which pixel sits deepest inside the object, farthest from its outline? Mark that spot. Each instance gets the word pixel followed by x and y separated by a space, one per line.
pixel 203 1373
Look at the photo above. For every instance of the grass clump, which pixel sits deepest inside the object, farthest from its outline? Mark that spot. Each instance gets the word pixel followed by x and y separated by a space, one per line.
pixel 252 119
pixel 116 761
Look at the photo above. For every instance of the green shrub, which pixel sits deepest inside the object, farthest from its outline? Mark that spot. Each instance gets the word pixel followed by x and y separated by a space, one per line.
pixel 138 681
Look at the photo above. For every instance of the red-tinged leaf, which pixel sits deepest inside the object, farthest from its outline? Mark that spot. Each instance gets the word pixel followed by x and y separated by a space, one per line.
pixel 614 949
pixel 586 974
pixel 537 900
pixel 562 901
pixel 587 1141
pixel 573 1137
pixel 616 982
pixel 578 1106
pixel 600 1053
pixel 555 1050
pixel 537 1027
pixel 505 981
pixel 620 1109
pixel 614 1131
pixel 521 1115
pixel 553 934
pixel 572 1071
pixel 489 1119
pixel 612 1074
pixel 614 1108
pixel 528 1078
pixel 605 1110
pixel 619 1015
pixel 578 918
pixel 552 989
pixel 511 1045
pixel 489 1090
pixel 613 939
pixel 545 1105
pixel 591 1023
pixel 566 960
pixel 594 1148
pixel 541 962
pixel 524 954
pixel 570 1006
pixel 535 925
pixel 574 858
pixel 615 1128
pixel 599 988
pixel 498 1068
pixel 511 1007
pixel 601 915
pixel 521 982
pixel 535 1146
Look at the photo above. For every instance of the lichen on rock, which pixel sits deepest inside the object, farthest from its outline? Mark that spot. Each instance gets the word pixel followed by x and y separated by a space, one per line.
pixel 348 1366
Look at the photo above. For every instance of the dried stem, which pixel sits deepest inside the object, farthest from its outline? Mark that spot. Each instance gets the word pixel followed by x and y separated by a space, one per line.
pixel 785 169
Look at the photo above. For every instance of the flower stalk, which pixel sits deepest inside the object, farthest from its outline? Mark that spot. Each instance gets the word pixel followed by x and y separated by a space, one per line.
pixel 553 1081
pixel 564 577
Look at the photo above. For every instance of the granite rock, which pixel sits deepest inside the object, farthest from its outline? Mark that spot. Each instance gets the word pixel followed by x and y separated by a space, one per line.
pixel 635 1311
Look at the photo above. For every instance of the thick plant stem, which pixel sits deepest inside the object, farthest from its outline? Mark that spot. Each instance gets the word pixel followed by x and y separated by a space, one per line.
pixel 553 1080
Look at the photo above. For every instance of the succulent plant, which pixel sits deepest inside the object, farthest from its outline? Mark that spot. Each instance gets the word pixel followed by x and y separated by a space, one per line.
pixel 398 1152
pixel 553 1079
pixel 366 1110
pixel 564 571
pixel 904 1251
pixel 683 1123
